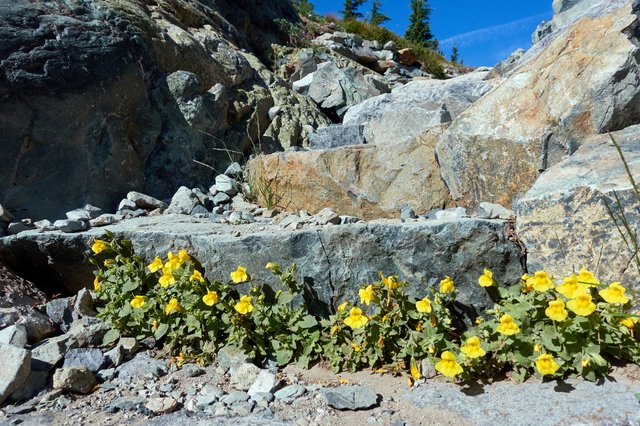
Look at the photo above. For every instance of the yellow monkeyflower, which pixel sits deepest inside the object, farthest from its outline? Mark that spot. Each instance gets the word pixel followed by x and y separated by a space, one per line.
pixel 587 277
pixel 367 295
pixel 571 287
pixel 424 305
pixel 99 246
pixel 537 347
pixel 356 348
pixel 419 327
pixel 448 365
pixel 527 283
pixel 154 325
pixel 472 349
pixel 447 286
pixel 556 310
pixel 342 306
pixel 196 276
pixel 183 256
pixel 138 302
pixel 240 275
pixel 109 262
pixel 211 298
pixel 172 306
pixel 614 294
pixel 628 322
pixel 173 263
pixel 486 279
pixel 356 318
pixel 582 305
pixel 415 373
pixel 244 306
pixel 584 362
pixel 156 265
pixel 541 281
pixel 546 365
pixel 334 330
pixel 479 320
pixel 507 325
pixel 96 284
pixel 390 282
pixel 167 277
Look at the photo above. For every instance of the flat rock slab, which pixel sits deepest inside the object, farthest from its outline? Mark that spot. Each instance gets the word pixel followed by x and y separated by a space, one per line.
pixel 350 397
pixel 333 261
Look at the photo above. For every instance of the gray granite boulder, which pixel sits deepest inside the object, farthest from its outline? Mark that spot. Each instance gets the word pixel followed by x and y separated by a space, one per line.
pixel 336 136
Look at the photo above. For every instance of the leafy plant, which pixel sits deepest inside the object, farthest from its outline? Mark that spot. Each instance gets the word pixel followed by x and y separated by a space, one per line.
pixel 264 191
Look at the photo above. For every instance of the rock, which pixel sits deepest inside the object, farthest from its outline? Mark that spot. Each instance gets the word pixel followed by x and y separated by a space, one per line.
pixel 61 312
pixel 427 369
pixel 227 185
pixel 270 213
pixel 16 292
pixel 364 181
pixel 242 408
pixel 350 397
pixel 390 45
pixel 266 382
pixel 115 356
pixel 231 357
pixel 44 225
pixel 407 57
pixel 494 211
pixel 243 376
pixel 327 216
pixel 449 214
pixel 127 204
pixel 83 304
pixel 66 225
pixel 239 204
pixel 126 403
pixel 539 120
pixel 79 215
pixel 563 219
pixel 503 67
pixel 15 369
pixel 92 359
pixel 145 201
pixel 105 219
pixel 37 324
pixel 408 111
pixel 406 213
pixel 36 381
pixel 74 379
pixel 183 201
pixel 199 211
pixel 50 352
pixel 129 346
pixel 88 331
pixel 162 405
pixel 346 220
pixel 183 84
pixel 302 85
pixel 235 397
pixel 208 395
pixel 221 198
pixel 5 216
pixel 17 227
pixel 142 365
pixel 336 136
pixel 291 392
pixel 234 171
pixel 15 335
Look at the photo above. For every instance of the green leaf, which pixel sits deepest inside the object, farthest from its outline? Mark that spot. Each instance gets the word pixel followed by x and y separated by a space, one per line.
pixel 161 331
pixel 110 337
pixel 283 356
pixel 308 321
pixel 129 286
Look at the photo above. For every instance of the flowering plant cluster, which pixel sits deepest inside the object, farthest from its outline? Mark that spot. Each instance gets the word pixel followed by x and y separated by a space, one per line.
pixel 538 326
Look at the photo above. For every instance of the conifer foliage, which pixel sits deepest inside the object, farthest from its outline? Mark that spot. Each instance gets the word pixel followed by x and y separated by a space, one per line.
pixel 419 30
pixel 350 10
pixel 377 17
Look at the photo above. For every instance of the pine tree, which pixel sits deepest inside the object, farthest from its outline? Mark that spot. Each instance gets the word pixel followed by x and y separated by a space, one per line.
pixel 455 55
pixel 350 10
pixel 419 30
pixel 377 17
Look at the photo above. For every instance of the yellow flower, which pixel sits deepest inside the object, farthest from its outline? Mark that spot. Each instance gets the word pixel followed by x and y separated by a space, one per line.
pixel 571 287
pixel 167 278
pixel 614 294
pixel 156 265
pixel 507 325
pixel 537 347
pixel 138 302
pixel 367 295
pixel 447 286
pixel 334 330
pixel 244 306
pixel 196 276
pixel 99 246
pixel 546 365
pixel 527 284
pixel 587 277
pixel 584 362
pixel 390 282
pixel 424 305
pixel 486 279
pixel 448 365
pixel 556 310
pixel 472 349
pixel 172 306
pixel 273 267
pixel 356 348
pixel 432 350
pixel 479 320
pixel 419 327
pixel 415 373
pixel 240 275
pixel 211 298
pixel 183 255
pixel 154 325
pixel 173 263
pixel 342 306
pixel 109 262
pixel 628 322
pixel 96 284
pixel 582 305
pixel 356 318
pixel 541 281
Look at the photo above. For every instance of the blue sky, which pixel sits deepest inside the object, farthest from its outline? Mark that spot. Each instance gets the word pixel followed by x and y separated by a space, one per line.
pixel 485 31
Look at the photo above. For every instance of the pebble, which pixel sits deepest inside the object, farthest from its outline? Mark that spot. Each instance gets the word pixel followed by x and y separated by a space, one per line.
pixel 235 397
pixel 162 405
pixel 66 225
pixel 350 397
pixel 291 392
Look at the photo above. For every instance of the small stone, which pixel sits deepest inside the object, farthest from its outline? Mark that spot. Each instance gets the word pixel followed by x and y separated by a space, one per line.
pixel 105 219
pixel 162 405
pixel 243 408
pixel 106 375
pixel 127 204
pixel 226 184
pixel 221 198
pixel 126 403
pixel 5 215
pixel 136 213
pixel 390 45
pixel 427 369
pixel 235 397
pixel 208 395
pixel 350 397
pixel 46 355
pixel 44 225
pixel 266 382
pixel 15 369
pixel 183 201
pixel 199 211
pixel 79 215
pixel 234 171
pixel 141 366
pixel 37 324
pixel 83 304
pixel 407 213
pixel 273 112
pixel 455 213
pixel 88 331
pixel 345 220
pixel 326 216
pixel 129 345
pixel 270 213
pixel 115 356
pixel 291 392
pixel 192 370
pixel 247 217
pixel 243 376
pixel 18 227
pixel 494 211
pixel 263 399
pixel 94 211
pixel 239 204
pixel 145 201
pixel 235 218
pixel 74 379
pixel 230 357
pixel 90 358
pixel 66 225
pixel 15 335
pixel 61 312
pixel 36 381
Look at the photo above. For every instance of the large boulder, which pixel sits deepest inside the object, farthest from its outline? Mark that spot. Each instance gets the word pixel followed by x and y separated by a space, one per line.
pixel 564 220
pixel 90 107
pixel 409 110
pixel 333 261
pixel 586 81
pixel 366 181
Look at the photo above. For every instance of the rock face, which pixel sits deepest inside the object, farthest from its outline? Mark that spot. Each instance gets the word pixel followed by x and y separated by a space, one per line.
pixel 15 369
pixel 107 70
pixel 17 291
pixel 564 220
pixel 409 110
pixel 332 261
pixel 363 181
pixel 584 82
